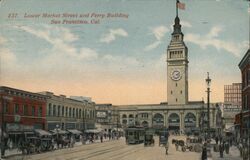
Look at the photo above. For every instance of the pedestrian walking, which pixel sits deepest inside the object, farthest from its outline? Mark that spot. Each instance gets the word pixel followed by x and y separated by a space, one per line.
pixel 101 138
pixel 166 147
pixel 227 147
pixel 221 149
pixel 241 149
pixel 216 139
pixel 204 152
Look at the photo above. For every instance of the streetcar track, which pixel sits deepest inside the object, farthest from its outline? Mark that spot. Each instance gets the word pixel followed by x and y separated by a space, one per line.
pixel 100 153
pixel 69 151
pixel 125 153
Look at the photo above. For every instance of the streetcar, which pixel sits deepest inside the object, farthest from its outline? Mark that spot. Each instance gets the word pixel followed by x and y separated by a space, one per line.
pixel 163 137
pixel 134 135
pixel 149 138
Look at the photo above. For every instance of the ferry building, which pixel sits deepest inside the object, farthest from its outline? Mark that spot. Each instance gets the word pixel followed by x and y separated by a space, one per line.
pixel 178 113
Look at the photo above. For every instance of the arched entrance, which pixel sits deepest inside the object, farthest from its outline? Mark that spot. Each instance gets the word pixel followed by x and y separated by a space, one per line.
pixel 158 121
pixel 124 121
pixel 174 122
pixel 190 121
pixel 131 120
pixel 144 124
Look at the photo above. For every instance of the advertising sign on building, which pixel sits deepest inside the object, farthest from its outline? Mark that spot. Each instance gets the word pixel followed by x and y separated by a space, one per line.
pixel 101 114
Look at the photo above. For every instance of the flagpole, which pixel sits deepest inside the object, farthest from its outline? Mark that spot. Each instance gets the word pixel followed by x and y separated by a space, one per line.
pixel 177 1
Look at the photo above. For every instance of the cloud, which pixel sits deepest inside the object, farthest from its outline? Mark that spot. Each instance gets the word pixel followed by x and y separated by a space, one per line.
pixel 211 39
pixel 152 45
pixel 113 34
pixel 159 32
pixel 214 32
pixel 6 56
pixel 185 24
pixel 61 39
pixel 121 60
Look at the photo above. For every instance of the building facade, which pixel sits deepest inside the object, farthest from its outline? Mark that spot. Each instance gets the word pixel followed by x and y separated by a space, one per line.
pixel 21 112
pixel 107 117
pixel 232 94
pixel 177 113
pixel 177 68
pixel 229 112
pixel 67 113
pixel 244 66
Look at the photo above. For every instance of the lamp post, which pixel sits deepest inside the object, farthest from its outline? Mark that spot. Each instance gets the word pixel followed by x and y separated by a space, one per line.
pixel 117 118
pixel 208 81
pixel 57 128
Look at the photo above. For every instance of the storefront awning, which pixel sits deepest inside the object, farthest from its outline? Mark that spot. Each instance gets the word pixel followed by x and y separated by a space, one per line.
pixel 59 131
pixel 42 132
pixel 74 131
pixel 92 131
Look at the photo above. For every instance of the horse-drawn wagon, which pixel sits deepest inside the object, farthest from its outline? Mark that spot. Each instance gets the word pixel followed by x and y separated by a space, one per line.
pixel 194 144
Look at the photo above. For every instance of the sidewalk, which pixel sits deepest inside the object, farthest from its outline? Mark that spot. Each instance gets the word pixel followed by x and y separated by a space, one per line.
pixel 234 154
pixel 15 152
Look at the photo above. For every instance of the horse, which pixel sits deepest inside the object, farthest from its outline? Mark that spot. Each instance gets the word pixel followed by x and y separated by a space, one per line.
pixel 63 142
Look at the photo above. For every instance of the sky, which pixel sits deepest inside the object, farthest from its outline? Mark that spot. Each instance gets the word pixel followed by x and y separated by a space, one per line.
pixel 114 51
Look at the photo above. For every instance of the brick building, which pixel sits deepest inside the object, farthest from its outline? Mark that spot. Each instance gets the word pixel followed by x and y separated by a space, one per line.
pixel 23 112
pixel 244 66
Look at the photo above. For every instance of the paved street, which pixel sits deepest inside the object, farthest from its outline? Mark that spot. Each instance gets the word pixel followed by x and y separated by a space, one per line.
pixel 115 150
pixel 234 154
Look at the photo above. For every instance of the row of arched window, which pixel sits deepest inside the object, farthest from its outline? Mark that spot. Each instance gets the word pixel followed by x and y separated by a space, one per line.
pixel 64 111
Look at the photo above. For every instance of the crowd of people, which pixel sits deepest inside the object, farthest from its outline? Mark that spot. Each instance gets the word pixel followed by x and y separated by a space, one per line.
pixel 37 144
pixel 223 145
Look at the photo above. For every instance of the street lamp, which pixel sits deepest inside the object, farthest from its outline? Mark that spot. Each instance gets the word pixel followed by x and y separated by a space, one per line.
pixel 57 128
pixel 208 81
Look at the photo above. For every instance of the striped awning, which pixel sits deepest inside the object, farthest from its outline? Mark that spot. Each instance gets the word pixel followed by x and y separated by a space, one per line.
pixel 74 131
pixel 42 132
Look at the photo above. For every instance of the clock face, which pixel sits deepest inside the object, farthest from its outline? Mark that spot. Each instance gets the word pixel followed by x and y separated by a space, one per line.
pixel 176 75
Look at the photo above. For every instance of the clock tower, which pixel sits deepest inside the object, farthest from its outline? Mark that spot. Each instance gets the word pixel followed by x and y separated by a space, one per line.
pixel 177 68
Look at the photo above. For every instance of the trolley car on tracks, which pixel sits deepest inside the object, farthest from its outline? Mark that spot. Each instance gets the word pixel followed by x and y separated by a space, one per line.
pixel 134 135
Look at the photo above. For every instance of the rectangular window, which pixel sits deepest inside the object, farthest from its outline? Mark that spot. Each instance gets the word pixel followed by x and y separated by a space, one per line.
pixel 25 110
pixel 66 112
pixel 16 109
pixel 58 111
pixel 6 107
pixel 54 110
pixel 70 112
pixel 248 77
pixel 40 109
pixel 63 111
pixel 246 103
pixel 33 110
pixel 50 110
